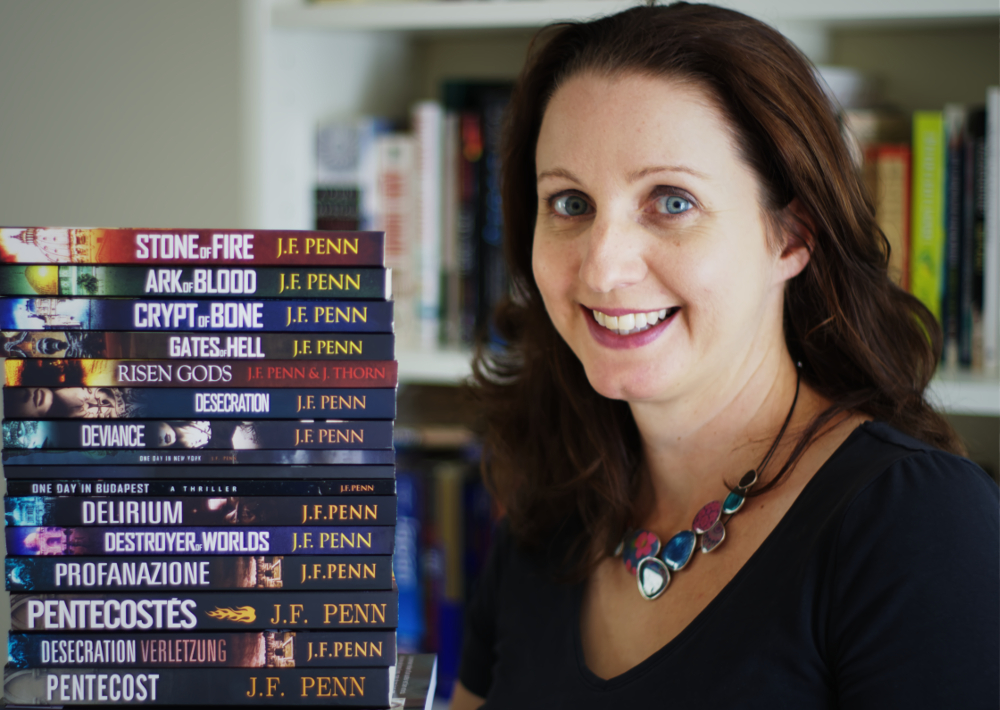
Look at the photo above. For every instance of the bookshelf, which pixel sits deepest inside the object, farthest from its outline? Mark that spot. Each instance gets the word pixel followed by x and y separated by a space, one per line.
pixel 314 60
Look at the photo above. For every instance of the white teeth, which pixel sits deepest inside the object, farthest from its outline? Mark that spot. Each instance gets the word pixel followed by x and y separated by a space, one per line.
pixel 630 322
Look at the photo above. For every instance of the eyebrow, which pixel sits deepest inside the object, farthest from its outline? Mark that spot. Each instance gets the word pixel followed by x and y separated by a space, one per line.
pixel 630 177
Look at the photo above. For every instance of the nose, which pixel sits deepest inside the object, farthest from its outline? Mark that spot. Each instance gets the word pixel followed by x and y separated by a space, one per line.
pixel 613 256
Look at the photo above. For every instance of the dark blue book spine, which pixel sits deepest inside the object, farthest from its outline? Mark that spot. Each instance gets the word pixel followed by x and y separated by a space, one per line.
pixel 207 649
pixel 172 434
pixel 347 687
pixel 406 564
pixel 96 574
pixel 61 314
pixel 179 457
pixel 235 611
pixel 221 487
pixel 194 475
pixel 229 511
pixel 245 540
pixel 147 403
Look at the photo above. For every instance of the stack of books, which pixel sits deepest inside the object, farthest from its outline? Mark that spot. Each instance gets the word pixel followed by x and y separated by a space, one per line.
pixel 198 451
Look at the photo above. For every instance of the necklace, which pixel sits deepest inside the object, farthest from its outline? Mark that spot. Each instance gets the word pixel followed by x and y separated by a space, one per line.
pixel 652 562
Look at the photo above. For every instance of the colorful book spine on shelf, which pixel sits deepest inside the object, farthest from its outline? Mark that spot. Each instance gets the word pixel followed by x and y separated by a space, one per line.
pixel 142 434
pixel 233 611
pixel 428 128
pixel 192 540
pixel 887 172
pixel 262 649
pixel 970 343
pixel 172 687
pixel 60 314
pixel 51 245
pixel 89 344
pixel 103 458
pixel 192 282
pixel 231 511
pixel 207 485
pixel 193 475
pixel 168 373
pixel 954 117
pixel 97 574
pixel 991 237
pixel 927 221
pixel 143 403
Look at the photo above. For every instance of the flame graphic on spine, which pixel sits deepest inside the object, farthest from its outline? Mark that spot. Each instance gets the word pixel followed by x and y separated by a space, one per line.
pixel 245 614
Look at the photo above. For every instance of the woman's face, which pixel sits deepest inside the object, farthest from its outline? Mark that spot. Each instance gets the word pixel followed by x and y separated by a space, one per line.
pixel 650 248
pixel 72 402
pixel 190 435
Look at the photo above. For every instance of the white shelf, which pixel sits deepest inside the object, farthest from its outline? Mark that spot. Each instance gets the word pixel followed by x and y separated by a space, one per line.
pixel 434 367
pixel 951 392
pixel 965 393
pixel 426 16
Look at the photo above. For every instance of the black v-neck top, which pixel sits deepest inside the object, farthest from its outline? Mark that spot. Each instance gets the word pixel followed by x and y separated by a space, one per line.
pixel 880 588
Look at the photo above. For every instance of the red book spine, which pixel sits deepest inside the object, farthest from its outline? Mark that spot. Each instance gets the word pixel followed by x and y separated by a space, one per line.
pixel 198 373
pixel 197 247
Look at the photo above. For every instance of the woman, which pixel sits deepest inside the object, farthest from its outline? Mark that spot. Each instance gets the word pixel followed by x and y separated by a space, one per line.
pixel 700 290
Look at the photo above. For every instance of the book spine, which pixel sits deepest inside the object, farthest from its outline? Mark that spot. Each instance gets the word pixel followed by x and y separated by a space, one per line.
pixel 136 281
pixel 95 574
pixel 195 434
pixel 129 314
pixel 41 245
pixel 991 237
pixel 468 233
pixel 139 402
pixel 493 269
pixel 179 457
pixel 262 649
pixel 927 219
pixel 197 373
pixel 954 120
pixel 235 611
pixel 201 487
pixel 199 510
pixel 194 475
pixel 191 540
pixel 890 167
pixel 113 345
pixel 354 687
pixel 428 127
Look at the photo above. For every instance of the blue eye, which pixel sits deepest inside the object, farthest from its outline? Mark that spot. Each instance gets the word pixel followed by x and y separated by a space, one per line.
pixel 570 205
pixel 672 204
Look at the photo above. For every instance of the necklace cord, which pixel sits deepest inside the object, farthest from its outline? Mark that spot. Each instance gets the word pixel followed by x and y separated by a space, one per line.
pixel 784 426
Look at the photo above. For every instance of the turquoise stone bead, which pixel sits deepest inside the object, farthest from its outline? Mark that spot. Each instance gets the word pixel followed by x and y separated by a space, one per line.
pixel 652 578
pixel 734 501
pixel 678 550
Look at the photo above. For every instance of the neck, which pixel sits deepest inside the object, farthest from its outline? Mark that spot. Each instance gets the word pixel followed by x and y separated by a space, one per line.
pixel 694 447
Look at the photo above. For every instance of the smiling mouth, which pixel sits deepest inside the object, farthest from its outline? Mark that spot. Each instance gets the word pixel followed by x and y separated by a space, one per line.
pixel 631 323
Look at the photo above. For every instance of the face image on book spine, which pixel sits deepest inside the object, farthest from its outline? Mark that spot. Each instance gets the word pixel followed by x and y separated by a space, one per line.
pixel 70 403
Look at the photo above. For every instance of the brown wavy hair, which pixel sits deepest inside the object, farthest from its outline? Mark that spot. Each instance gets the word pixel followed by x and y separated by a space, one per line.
pixel 559 456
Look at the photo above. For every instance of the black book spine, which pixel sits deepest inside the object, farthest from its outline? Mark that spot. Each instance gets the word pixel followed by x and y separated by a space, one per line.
pixel 229 511
pixel 146 403
pixel 190 611
pixel 109 345
pixel 353 687
pixel 188 540
pixel 299 573
pixel 322 458
pixel 263 649
pixel 201 487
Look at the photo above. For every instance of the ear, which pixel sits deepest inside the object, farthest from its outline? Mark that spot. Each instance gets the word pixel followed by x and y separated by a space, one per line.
pixel 799 238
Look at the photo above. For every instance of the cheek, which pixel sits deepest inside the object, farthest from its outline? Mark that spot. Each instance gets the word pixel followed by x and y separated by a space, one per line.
pixel 552 266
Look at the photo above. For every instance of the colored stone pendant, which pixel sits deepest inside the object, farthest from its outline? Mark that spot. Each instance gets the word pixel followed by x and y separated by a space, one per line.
pixel 652 578
pixel 713 537
pixel 639 545
pixel 707 517
pixel 734 501
pixel 748 480
pixel 678 550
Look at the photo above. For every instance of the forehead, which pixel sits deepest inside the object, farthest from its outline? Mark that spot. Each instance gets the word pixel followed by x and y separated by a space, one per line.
pixel 633 118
